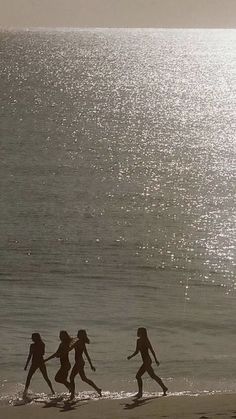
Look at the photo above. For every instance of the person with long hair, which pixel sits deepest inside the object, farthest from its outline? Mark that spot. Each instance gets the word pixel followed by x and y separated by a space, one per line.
pixel 80 348
pixel 143 346
pixel 63 353
pixel 36 353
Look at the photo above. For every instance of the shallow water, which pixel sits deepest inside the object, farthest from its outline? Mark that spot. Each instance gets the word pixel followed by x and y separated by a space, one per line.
pixel 117 201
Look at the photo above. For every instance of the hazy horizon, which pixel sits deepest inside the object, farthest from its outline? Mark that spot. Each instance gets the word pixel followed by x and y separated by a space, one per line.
pixel 122 13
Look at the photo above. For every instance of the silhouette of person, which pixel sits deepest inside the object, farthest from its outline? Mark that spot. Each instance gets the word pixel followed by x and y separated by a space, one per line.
pixel 143 346
pixel 36 352
pixel 63 353
pixel 80 347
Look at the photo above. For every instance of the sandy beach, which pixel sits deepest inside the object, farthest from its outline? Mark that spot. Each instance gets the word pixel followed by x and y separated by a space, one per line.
pixel 201 407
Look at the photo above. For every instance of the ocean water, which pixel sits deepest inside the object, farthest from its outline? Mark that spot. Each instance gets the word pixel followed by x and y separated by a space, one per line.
pixel 117 205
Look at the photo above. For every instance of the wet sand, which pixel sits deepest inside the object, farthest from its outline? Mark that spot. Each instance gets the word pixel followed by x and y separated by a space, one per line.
pixel 185 407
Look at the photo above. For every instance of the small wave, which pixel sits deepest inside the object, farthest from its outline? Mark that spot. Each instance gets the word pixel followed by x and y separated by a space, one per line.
pixel 85 396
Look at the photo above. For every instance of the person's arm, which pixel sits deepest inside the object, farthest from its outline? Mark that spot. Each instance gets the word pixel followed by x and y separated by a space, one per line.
pixel 153 353
pixel 52 356
pixel 72 346
pixel 89 360
pixel 59 352
pixel 55 355
pixel 29 357
pixel 135 352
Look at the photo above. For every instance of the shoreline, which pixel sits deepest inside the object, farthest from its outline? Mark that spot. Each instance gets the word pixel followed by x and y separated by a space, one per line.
pixel 187 407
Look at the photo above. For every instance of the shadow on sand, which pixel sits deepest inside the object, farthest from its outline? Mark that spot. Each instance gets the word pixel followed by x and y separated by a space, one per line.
pixel 64 405
pixel 138 402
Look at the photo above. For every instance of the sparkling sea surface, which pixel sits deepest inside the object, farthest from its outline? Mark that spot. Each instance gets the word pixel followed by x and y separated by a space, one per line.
pixel 117 205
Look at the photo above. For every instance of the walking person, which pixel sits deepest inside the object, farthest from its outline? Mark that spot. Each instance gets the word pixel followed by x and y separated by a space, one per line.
pixel 36 353
pixel 63 353
pixel 80 349
pixel 143 346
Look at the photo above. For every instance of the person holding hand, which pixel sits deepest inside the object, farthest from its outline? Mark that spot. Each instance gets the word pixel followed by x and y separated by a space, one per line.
pixel 36 353
pixel 63 354
pixel 80 348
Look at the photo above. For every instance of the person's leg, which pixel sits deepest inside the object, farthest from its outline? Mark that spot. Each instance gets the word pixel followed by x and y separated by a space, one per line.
pixel 73 374
pixel 45 376
pixel 88 381
pixel 139 374
pixel 155 377
pixel 31 372
pixel 61 377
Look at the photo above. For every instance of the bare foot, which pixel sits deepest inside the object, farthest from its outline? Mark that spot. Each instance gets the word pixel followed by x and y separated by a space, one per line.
pixel 69 386
pixel 165 389
pixel 138 396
